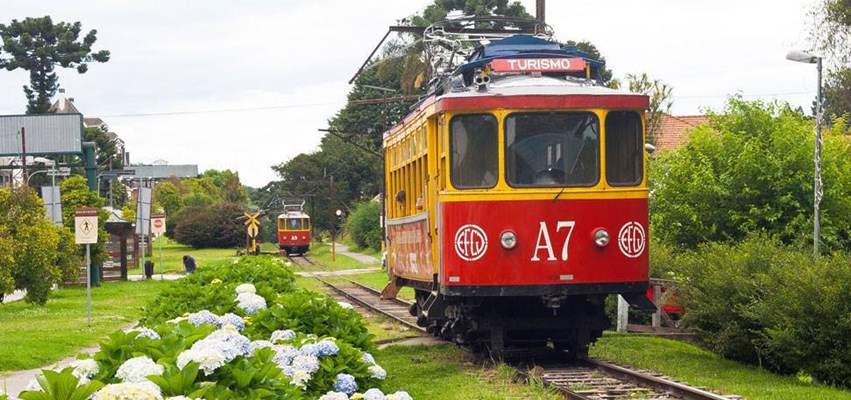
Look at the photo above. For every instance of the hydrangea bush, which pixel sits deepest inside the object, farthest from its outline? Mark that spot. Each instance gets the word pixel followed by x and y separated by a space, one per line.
pixel 302 346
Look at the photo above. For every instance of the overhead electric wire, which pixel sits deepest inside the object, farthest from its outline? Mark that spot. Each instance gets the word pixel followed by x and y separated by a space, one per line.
pixel 221 110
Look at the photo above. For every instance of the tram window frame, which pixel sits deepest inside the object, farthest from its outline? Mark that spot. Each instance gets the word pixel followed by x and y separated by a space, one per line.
pixel 454 164
pixel 549 180
pixel 290 227
pixel 635 134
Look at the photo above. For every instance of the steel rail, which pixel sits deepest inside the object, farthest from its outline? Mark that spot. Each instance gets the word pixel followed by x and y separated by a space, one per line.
pixel 678 389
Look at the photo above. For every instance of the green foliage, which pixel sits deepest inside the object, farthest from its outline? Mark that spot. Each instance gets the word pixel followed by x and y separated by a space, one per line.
pixel 591 49
pixel 751 169
pixel 215 226
pixel 199 292
pixel 38 46
pixel 765 303
pixel 364 225
pixel 660 100
pixel 62 385
pixel 36 254
pixel 837 96
pixel 76 194
pixel 312 313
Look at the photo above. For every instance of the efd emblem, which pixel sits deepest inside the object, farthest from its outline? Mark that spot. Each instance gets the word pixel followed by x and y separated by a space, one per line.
pixel 632 239
pixel 471 242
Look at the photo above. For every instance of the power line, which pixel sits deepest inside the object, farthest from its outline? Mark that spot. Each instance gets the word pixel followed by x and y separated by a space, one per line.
pixel 220 110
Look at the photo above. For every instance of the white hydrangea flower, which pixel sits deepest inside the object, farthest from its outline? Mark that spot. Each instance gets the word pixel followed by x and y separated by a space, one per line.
pixel 345 305
pixel 334 396
pixel 246 288
pixel 136 369
pixel 282 335
pixel 208 358
pixel 85 368
pixel 300 378
pixel 178 398
pixel 129 391
pixel 306 362
pixel 250 302
pixel 399 396
pixel 377 372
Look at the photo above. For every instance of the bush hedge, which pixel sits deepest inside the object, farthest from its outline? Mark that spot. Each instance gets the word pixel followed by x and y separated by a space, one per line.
pixel 364 225
pixel 766 303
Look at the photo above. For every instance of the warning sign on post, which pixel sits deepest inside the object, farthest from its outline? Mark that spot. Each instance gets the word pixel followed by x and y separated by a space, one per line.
pixel 157 224
pixel 86 226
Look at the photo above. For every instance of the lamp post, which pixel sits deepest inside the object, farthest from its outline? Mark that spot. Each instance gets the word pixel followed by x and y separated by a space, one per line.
pixel 804 57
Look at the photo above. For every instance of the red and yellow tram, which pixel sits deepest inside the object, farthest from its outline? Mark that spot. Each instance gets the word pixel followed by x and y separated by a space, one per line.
pixel 517 199
pixel 294 229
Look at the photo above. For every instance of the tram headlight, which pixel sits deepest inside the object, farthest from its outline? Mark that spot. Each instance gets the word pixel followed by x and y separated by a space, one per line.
pixel 601 237
pixel 508 240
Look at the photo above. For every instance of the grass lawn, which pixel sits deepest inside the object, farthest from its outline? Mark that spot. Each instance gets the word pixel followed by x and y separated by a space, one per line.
pixel 446 373
pixel 173 256
pixel 33 336
pixel 701 368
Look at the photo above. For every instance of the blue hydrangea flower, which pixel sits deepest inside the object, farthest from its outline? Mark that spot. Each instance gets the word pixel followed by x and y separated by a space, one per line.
pixel 282 335
pixel 374 394
pixel 233 319
pixel 367 358
pixel 327 348
pixel 310 349
pixel 145 332
pixel 345 383
pixel 284 355
pixel 377 372
pixel 203 317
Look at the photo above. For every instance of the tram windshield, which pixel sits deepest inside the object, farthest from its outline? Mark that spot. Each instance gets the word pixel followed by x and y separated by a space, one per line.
pixel 473 144
pixel 293 224
pixel 552 149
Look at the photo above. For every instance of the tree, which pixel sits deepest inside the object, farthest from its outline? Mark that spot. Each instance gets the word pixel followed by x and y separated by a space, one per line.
pixel 34 254
pixel 38 46
pixel 837 94
pixel 751 169
pixel 76 194
pixel 832 35
pixel 660 100
pixel 216 226
pixel 593 52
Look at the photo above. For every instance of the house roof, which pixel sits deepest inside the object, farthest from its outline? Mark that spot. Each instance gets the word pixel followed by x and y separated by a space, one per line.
pixel 673 130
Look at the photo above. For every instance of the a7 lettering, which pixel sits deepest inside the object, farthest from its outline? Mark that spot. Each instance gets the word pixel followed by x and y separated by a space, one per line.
pixel 543 242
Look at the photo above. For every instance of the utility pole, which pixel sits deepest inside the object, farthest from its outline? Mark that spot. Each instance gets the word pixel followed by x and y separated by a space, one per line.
pixel 24 153
pixel 540 11
pixel 331 222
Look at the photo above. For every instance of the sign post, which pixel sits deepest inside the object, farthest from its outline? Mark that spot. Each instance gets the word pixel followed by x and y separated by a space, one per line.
pixel 252 227
pixel 86 232
pixel 158 229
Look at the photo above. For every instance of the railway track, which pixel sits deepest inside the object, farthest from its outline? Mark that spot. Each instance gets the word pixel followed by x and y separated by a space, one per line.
pixel 587 380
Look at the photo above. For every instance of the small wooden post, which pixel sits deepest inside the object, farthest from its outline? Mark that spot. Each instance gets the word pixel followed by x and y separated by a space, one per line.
pixel 657 300
pixel 623 315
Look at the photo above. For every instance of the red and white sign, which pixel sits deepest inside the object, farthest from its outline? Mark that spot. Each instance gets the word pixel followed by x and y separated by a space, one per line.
pixel 410 250
pixel 471 242
pixel 538 65
pixel 158 224
pixel 632 239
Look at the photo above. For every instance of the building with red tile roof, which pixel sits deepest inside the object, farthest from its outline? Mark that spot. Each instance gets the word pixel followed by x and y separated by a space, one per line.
pixel 673 130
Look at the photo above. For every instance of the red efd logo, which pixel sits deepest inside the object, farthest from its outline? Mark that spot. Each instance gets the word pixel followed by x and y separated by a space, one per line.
pixel 632 239
pixel 471 243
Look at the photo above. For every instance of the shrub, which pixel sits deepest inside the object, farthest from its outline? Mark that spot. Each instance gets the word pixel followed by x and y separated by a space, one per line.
pixel 213 226
pixel 312 313
pixel 364 225
pixel 212 288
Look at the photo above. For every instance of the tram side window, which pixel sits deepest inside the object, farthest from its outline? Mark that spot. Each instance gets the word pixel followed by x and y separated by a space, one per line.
pixel 624 149
pixel 473 145
pixel 552 149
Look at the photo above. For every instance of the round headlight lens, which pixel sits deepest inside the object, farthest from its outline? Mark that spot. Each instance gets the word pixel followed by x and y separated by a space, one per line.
pixel 601 237
pixel 508 240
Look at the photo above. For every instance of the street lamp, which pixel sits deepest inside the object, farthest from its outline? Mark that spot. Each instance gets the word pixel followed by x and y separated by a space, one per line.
pixel 807 58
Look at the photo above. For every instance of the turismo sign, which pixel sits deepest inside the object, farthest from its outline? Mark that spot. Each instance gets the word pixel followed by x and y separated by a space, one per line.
pixel 538 65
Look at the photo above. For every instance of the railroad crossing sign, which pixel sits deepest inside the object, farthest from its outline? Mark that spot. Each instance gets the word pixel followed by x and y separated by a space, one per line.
pixel 158 224
pixel 86 225
pixel 252 225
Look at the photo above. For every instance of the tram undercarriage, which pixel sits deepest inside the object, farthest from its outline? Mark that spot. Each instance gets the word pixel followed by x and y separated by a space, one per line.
pixel 501 325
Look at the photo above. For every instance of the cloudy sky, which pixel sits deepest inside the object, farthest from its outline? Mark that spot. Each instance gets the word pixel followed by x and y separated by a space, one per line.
pixel 246 86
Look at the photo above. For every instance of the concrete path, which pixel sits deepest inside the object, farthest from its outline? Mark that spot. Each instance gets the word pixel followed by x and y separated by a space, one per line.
pixel 156 277
pixel 17 381
pixel 344 250
pixel 338 273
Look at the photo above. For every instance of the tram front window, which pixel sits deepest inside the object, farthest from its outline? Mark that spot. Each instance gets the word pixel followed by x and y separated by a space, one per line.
pixel 624 149
pixel 293 224
pixel 473 143
pixel 552 149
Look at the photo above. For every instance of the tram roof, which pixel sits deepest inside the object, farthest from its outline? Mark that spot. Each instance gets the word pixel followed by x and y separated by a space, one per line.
pixel 293 214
